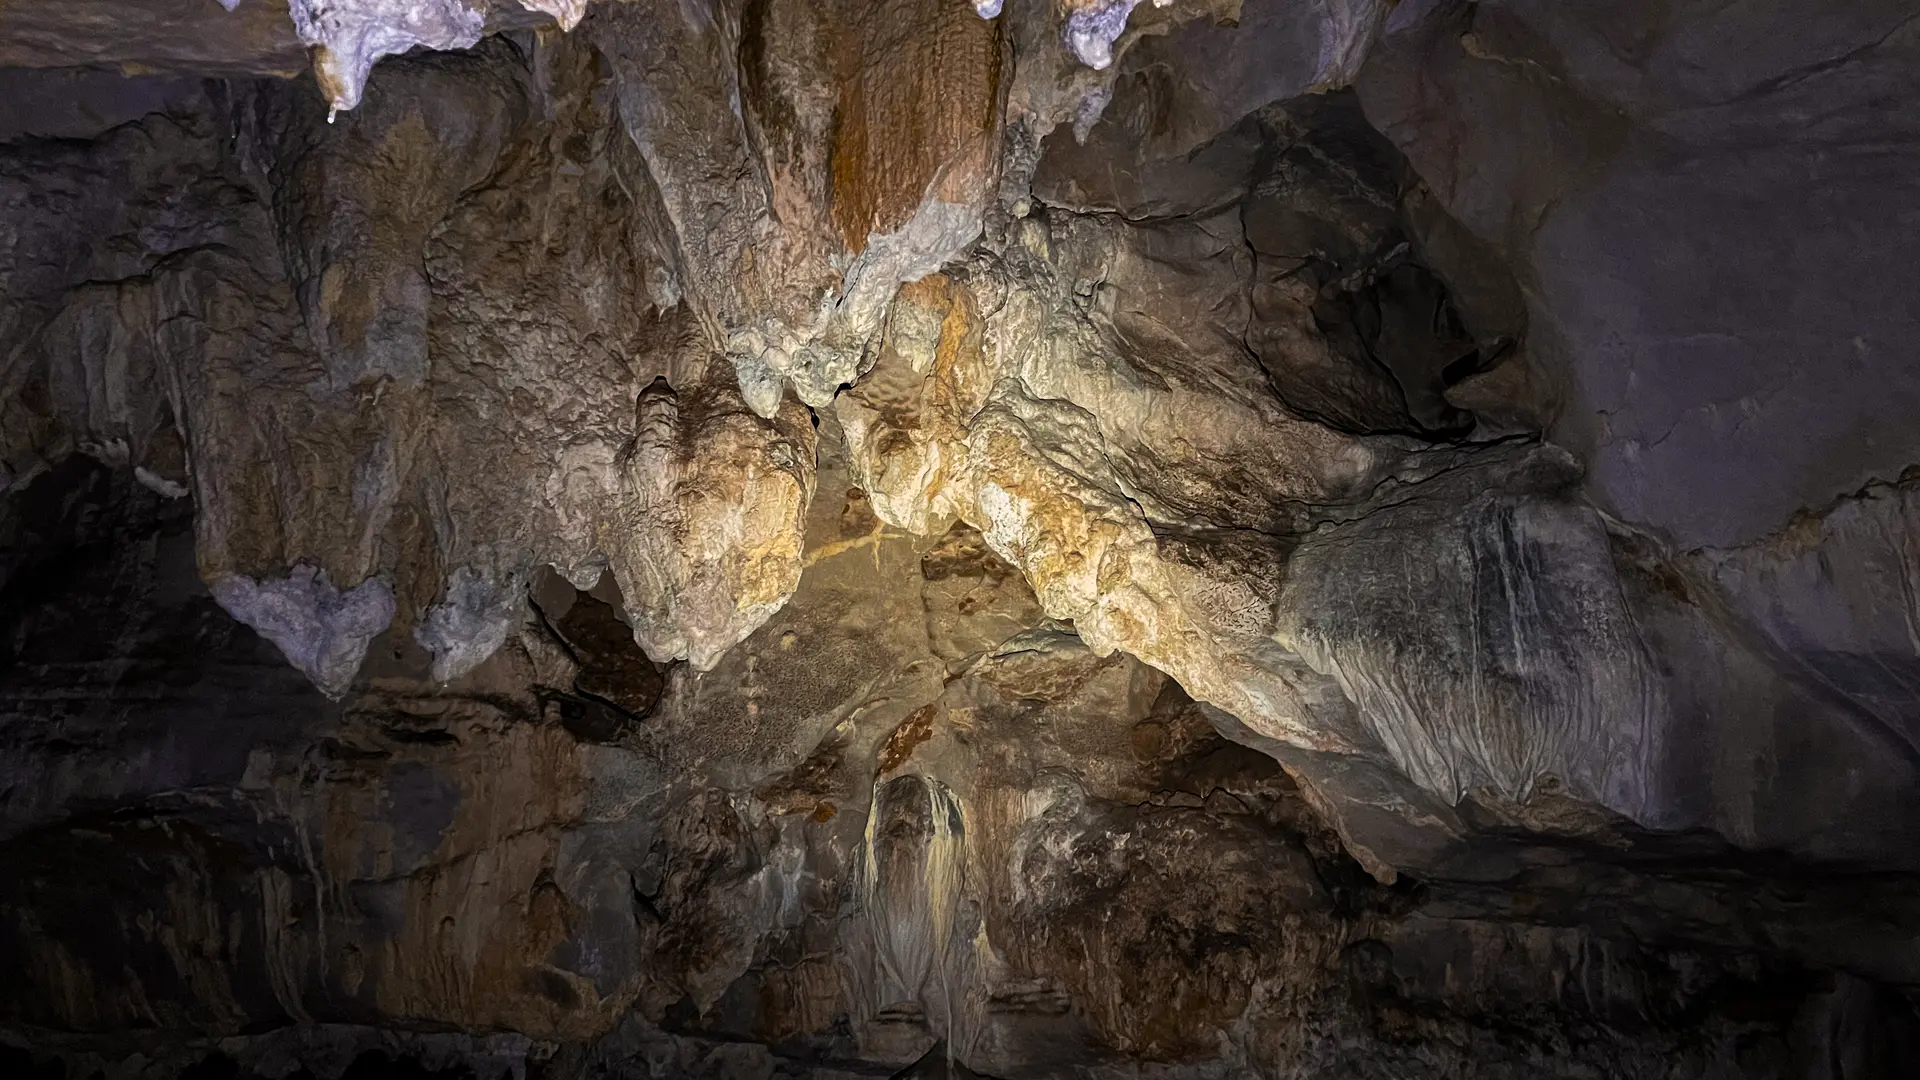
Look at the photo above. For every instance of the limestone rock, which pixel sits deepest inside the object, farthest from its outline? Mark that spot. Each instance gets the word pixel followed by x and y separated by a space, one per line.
pixel 255 37
pixel 322 630
pixel 1636 170
pixel 929 857
pixel 377 351
pixel 706 536
pixel 816 539
pixel 1099 464
pixel 348 36
pixel 857 146
pixel 1474 670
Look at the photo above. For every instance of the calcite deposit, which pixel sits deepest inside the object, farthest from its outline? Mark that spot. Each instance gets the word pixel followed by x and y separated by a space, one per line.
pixel 1067 538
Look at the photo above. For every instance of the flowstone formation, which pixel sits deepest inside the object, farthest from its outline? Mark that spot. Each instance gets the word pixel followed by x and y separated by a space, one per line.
pixel 814 538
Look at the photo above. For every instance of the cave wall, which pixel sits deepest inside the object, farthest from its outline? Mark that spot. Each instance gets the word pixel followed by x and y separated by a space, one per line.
pixel 783 537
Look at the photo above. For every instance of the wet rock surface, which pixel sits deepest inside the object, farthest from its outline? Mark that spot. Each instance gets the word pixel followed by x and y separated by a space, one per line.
pixel 831 540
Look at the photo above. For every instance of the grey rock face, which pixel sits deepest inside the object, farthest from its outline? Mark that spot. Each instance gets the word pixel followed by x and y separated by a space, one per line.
pixel 1651 177
pixel 349 36
pixel 471 623
pixel 1484 637
pixel 826 539
pixel 323 630
pixel 251 38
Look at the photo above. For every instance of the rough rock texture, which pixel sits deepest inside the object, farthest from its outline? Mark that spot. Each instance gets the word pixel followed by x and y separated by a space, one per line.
pixel 814 538
pixel 348 36
pixel 951 829
pixel 339 40
pixel 255 37
pixel 1632 163
pixel 383 347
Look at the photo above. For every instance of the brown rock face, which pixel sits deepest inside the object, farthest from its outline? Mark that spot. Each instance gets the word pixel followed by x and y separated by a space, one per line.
pixel 918 110
pixel 255 38
pixel 803 538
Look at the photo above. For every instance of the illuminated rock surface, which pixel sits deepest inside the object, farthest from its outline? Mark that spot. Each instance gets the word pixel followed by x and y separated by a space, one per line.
pixel 831 539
